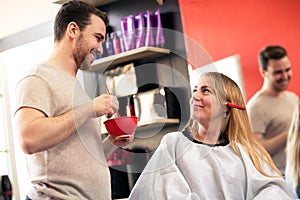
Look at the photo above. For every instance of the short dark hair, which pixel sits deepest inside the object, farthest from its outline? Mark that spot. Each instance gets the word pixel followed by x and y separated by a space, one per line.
pixel 270 52
pixel 78 12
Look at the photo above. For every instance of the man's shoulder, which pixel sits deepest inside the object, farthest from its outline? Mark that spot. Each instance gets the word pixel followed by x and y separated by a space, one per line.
pixel 292 95
pixel 36 70
pixel 259 97
pixel 292 98
pixel 43 69
pixel 256 99
pixel 258 103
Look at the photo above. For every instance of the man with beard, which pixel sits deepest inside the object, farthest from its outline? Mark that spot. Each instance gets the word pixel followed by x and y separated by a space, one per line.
pixel 270 109
pixel 55 119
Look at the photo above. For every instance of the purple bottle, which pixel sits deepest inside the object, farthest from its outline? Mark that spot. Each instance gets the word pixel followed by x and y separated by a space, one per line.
pixel 160 39
pixel 109 45
pixel 131 32
pixel 122 45
pixel 124 32
pixel 140 30
pixel 149 29
pixel 128 27
pixel 116 42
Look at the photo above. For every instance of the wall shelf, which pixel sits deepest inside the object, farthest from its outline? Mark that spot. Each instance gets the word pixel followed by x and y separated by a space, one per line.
pixel 110 62
pixel 94 2
pixel 156 124
pixel 158 121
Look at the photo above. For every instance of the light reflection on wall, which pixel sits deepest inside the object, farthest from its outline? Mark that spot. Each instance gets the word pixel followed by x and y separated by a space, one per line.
pixel 13 64
pixel 229 66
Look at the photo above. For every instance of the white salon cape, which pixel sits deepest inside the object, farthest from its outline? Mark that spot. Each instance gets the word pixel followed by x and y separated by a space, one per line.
pixel 181 169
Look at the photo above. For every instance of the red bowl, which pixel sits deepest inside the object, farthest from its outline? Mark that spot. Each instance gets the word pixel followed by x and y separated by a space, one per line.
pixel 125 125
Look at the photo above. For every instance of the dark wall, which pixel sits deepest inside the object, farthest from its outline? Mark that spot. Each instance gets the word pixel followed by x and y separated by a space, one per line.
pixel 170 16
pixel 167 71
pixel 169 10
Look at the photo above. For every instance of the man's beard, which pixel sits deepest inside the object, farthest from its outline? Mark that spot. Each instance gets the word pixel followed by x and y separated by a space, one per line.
pixel 82 57
pixel 277 86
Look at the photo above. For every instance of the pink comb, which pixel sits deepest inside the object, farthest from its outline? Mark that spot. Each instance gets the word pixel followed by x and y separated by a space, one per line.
pixel 231 105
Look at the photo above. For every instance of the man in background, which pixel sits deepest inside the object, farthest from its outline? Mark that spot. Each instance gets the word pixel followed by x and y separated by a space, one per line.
pixel 270 109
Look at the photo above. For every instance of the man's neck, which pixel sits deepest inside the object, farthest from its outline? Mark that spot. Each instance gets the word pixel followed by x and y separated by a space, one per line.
pixel 63 61
pixel 272 92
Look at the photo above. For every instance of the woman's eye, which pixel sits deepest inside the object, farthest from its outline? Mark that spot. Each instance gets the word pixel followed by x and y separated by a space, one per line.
pixel 206 91
pixel 194 90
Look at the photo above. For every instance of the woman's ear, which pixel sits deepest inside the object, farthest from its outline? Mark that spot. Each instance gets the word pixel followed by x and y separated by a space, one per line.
pixel 225 110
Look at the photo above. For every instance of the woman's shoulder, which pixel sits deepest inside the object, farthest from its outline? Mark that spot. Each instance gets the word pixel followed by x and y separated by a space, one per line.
pixel 174 139
pixel 172 136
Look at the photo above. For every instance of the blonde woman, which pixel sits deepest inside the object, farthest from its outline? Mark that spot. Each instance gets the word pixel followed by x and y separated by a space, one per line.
pixel 217 157
pixel 292 170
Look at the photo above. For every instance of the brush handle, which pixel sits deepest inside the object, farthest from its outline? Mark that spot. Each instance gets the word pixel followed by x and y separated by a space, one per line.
pixel 108 92
pixel 235 106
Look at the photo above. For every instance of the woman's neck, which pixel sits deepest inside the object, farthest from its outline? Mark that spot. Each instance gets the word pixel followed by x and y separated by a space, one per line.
pixel 207 136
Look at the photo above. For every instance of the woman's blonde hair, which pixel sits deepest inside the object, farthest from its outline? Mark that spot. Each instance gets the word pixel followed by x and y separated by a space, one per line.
pixel 236 128
pixel 293 149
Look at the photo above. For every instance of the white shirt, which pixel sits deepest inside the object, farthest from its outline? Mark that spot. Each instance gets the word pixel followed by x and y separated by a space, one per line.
pixel 182 169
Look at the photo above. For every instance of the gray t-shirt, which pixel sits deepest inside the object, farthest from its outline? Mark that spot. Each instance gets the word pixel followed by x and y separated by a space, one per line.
pixel 76 168
pixel 272 116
